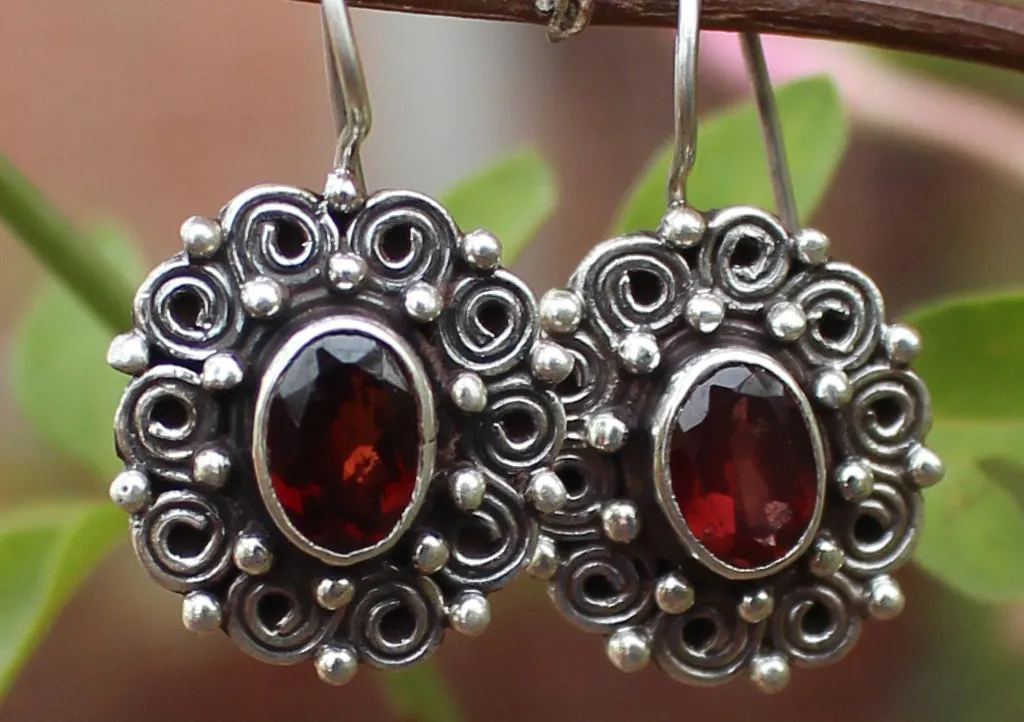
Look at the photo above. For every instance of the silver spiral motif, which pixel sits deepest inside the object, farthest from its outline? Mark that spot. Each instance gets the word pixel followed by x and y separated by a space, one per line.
pixel 600 589
pixel 521 429
pixel 404 237
pixel 183 540
pixel 594 376
pixel 488 545
pixel 590 479
pixel 277 621
pixel 707 644
pixel 880 533
pixel 745 256
pixel 844 311
pixel 163 419
pixel 632 283
pixel 490 322
pixel 396 621
pixel 816 623
pixel 889 414
pixel 278 232
pixel 189 311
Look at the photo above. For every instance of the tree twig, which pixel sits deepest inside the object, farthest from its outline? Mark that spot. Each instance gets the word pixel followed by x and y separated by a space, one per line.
pixel 983 31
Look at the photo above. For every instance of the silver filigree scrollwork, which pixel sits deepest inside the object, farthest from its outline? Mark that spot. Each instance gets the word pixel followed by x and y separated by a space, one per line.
pixel 590 480
pixel 522 427
pixel 276 620
pixel 396 622
pixel 189 311
pixel 278 232
pixel 745 256
pixel 816 623
pixel 403 237
pixel 844 311
pixel 164 418
pixel 490 322
pixel 593 380
pixel 184 540
pixel 879 533
pixel 632 283
pixel 890 413
pixel 601 589
pixel 708 644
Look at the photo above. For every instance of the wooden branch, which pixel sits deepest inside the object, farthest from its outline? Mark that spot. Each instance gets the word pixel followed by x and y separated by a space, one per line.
pixel 982 31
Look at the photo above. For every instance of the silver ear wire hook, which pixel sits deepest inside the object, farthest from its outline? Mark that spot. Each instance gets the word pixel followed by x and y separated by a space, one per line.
pixel 687 41
pixel 775 147
pixel 349 98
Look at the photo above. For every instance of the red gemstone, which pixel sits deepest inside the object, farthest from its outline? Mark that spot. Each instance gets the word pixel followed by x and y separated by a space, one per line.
pixel 343 442
pixel 743 468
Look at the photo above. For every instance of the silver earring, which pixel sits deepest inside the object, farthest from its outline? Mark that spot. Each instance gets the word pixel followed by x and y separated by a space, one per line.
pixel 334 415
pixel 745 444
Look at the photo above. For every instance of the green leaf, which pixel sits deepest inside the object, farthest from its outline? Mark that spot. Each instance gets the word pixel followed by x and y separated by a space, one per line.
pixel 59 375
pixel 44 554
pixel 512 199
pixel 731 167
pixel 419 693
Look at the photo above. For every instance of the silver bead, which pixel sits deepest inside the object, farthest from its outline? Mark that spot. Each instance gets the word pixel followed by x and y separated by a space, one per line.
pixel 629 649
pixel 346 271
pixel 544 7
pixel 682 226
pixel 544 562
pixel 211 467
pixel 704 312
pixel 925 467
pixel 201 237
pixel 468 392
pixel 756 606
pixel 221 372
pixel 262 297
pixel 128 353
pixel 481 249
pixel 422 302
pixel 811 246
pixel 343 191
pixel 252 555
pixel 560 311
pixel 639 353
pixel 467 487
pixel 550 362
pixel 201 613
pixel 770 672
pixel 470 614
pixel 673 594
pixel 336 664
pixel 884 598
pixel 333 594
pixel 606 432
pixel 832 388
pixel 430 553
pixel 130 491
pixel 546 492
pixel 620 521
pixel 855 480
pixel 902 343
pixel 786 321
pixel 826 557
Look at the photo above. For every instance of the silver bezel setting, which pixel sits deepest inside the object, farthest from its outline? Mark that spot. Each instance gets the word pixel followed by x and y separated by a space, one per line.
pixel 215 330
pixel 739 289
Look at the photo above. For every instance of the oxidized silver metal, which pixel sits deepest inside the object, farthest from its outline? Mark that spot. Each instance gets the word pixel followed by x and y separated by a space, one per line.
pixel 619 555
pixel 218 324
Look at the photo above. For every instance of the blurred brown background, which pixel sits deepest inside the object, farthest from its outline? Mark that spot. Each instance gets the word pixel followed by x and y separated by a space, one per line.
pixel 148 112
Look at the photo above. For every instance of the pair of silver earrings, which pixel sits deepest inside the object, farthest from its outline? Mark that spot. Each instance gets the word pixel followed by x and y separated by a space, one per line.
pixel 348 424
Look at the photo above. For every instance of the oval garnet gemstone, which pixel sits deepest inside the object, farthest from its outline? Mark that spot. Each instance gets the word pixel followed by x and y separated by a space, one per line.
pixel 743 467
pixel 343 441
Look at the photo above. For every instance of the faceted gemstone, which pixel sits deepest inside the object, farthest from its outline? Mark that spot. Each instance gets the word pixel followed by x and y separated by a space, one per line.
pixel 742 465
pixel 343 441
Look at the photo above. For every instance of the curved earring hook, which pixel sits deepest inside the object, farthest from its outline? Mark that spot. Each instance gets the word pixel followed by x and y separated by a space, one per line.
pixel 349 96
pixel 687 40
pixel 771 129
